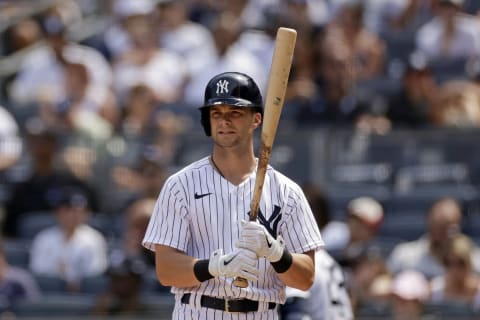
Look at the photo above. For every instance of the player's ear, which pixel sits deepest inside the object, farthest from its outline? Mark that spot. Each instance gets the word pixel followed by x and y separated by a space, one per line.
pixel 257 119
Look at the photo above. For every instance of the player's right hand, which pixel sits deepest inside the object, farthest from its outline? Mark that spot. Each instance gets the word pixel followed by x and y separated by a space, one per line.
pixel 239 263
pixel 255 237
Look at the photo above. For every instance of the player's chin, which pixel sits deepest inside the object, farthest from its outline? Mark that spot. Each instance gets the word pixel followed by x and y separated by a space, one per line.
pixel 226 143
pixel 226 137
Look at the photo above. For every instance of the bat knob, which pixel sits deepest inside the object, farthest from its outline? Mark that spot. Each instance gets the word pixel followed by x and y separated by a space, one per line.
pixel 240 282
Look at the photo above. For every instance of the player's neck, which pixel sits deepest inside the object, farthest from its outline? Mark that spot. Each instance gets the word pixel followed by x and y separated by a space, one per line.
pixel 233 167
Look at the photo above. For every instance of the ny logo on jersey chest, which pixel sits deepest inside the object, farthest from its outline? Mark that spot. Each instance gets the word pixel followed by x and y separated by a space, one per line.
pixel 272 223
pixel 222 86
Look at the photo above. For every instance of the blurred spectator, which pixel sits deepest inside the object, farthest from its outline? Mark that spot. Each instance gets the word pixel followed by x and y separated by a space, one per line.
pixel 473 71
pixel 459 284
pixel 145 63
pixel 328 297
pixel 45 177
pixel 178 34
pixel 364 50
pixel 305 15
pixel 347 54
pixel 10 140
pixel 87 110
pixel 411 106
pixel 319 203
pixel 23 34
pixel 352 244
pixel 117 40
pixel 408 294
pixel 129 263
pixel 450 33
pixel 457 105
pixel 141 175
pixel 124 292
pixel 69 11
pixel 42 76
pixel 260 42
pixel 138 112
pixel 74 249
pixel 373 122
pixel 229 55
pixel 367 280
pixel 349 240
pixel 91 7
pixel 16 284
pixel 145 177
pixel 146 121
pixel 444 220
pixel 137 215
pixel 303 91
pixel 396 15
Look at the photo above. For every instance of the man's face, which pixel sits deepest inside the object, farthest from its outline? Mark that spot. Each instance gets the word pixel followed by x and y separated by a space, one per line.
pixel 444 221
pixel 70 217
pixel 233 125
pixel 447 10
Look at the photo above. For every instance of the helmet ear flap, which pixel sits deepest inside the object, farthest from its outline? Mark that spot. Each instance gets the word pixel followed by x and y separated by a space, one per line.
pixel 205 121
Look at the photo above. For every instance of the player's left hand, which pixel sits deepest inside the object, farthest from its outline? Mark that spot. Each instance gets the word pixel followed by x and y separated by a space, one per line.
pixel 255 237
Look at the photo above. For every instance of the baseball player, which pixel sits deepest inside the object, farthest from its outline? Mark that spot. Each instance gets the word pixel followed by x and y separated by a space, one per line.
pixel 327 299
pixel 199 229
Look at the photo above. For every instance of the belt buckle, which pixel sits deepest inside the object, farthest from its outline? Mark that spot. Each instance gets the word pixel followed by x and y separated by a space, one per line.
pixel 227 304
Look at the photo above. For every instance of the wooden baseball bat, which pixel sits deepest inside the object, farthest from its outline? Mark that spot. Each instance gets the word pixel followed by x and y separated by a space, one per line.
pixel 277 86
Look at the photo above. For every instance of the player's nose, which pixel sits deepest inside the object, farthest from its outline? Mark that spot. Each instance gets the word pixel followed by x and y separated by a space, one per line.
pixel 225 119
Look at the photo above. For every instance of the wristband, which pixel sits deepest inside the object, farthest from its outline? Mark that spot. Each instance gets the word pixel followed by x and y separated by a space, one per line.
pixel 200 269
pixel 284 263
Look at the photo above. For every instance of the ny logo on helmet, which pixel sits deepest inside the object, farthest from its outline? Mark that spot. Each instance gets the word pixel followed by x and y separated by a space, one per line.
pixel 222 87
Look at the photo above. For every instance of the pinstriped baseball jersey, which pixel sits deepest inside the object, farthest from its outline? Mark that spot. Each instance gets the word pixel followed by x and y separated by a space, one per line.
pixel 198 211
pixel 328 297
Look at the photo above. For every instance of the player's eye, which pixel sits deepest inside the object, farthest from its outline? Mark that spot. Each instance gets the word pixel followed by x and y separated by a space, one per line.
pixel 236 113
pixel 215 114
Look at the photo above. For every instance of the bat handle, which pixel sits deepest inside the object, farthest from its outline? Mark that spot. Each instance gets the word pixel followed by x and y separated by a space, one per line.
pixel 240 282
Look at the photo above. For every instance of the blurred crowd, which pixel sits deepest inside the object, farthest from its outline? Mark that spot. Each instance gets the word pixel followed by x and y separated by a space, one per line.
pixel 95 96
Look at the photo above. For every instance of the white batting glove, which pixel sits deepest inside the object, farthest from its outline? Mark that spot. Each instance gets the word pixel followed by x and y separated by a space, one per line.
pixel 255 237
pixel 239 263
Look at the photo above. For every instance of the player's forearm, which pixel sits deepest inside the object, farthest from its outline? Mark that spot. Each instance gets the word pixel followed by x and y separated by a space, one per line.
pixel 301 273
pixel 174 268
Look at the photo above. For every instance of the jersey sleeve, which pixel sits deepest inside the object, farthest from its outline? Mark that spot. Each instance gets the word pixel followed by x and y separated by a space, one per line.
pixel 169 223
pixel 299 229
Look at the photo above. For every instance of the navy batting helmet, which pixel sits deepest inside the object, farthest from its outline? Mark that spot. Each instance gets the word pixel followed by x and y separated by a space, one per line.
pixel 230 88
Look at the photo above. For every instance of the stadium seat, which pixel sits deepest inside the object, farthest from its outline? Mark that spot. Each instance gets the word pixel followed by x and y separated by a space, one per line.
pixel 159 305
pixel 370 311
pixel 151 285
pixel 17 252
pixel 51 285
pixel 472 226
pixel 103 223
pixel 60 306
pixel 94 284
pixel 340 194
pixel 421 197
pixel 448 69
pixel 399 44
pixel 450 310
pixel 408 225
pixel 31 223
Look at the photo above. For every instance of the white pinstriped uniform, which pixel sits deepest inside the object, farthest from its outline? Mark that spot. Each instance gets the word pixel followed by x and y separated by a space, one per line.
pixel 201 224
pixel 328 298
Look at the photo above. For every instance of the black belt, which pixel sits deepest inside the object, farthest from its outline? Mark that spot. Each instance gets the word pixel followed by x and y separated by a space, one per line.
pixel 234 305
